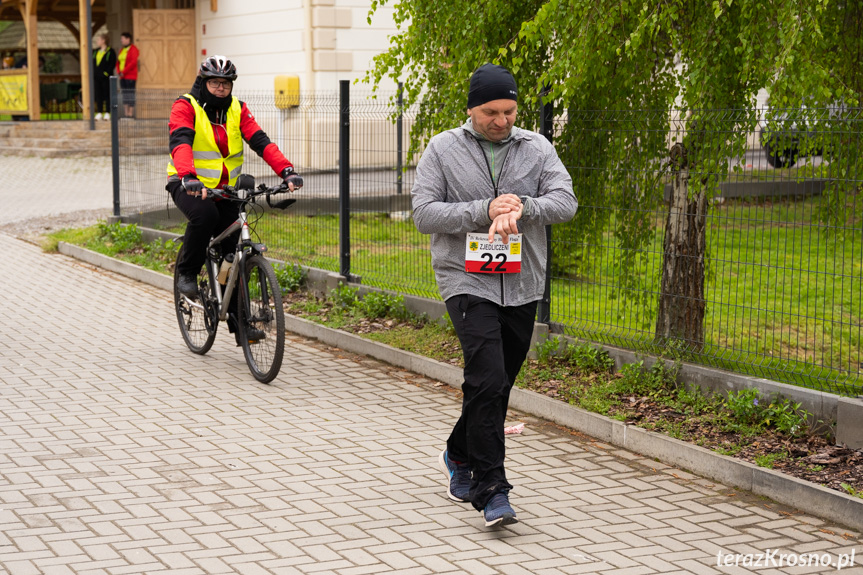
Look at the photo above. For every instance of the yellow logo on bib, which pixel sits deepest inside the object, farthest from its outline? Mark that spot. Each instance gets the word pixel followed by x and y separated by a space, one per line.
pixel 474 246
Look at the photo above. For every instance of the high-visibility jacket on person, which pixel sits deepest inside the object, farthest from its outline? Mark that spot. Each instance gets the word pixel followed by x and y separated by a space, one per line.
pixel 208 160
pixel 127 62
pixel 183 128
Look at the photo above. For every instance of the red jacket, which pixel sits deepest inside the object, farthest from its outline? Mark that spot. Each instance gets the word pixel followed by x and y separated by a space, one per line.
pixel 181 126
pixel 130 71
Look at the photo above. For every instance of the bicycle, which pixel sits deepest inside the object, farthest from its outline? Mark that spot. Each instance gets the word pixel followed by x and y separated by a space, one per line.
pixel 259 297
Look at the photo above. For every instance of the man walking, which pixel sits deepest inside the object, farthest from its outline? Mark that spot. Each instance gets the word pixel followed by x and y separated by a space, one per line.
pixel 485 192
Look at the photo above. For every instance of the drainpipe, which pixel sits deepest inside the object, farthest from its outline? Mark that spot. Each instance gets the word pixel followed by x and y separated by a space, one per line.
pixel 308 42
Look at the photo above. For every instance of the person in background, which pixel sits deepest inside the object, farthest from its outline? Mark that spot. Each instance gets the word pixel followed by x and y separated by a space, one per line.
pixel 127 69
pixel 22 63
pixel 105 61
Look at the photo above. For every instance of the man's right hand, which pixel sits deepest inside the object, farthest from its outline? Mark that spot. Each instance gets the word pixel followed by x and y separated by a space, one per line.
pixel 292 179
pixel 294 182
pixel 193 186
pixel 503 205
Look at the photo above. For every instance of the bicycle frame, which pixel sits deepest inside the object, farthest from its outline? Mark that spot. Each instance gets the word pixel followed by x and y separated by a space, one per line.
pixel 259 324
pixel 242 224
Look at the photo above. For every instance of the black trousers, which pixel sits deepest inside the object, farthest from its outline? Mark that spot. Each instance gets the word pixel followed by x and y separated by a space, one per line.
pixel 127 91
pixel 102 94
pixel 495 341
pixel 207 218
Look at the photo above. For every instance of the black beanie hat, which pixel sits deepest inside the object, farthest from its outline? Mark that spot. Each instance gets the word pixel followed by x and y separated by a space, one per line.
pixel 491 82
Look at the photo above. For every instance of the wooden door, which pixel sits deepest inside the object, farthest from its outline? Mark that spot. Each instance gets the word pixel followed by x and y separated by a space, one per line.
pixel 166 41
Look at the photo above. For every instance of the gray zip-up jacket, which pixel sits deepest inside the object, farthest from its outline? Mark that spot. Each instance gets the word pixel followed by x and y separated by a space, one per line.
pixel 451 195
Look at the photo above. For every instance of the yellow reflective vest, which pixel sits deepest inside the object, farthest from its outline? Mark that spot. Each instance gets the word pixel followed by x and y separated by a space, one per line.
pixel 208 159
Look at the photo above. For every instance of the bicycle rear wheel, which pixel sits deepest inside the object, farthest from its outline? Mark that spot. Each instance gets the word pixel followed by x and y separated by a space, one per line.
pixel 195 316
pixel 261 313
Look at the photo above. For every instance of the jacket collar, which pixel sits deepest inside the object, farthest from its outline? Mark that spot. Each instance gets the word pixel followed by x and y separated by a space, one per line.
pixel 515 134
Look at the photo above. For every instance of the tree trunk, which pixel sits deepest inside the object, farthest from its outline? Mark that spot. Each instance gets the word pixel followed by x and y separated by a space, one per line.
pixel 681 300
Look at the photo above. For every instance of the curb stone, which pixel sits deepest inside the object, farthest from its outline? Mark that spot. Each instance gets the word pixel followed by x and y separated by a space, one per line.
pixel 797 493
pixel 133 271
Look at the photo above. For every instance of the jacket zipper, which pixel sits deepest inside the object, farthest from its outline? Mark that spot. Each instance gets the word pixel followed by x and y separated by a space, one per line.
pixel 494 185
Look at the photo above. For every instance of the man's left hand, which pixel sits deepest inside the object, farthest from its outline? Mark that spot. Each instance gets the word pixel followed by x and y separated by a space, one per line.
pixel 505 224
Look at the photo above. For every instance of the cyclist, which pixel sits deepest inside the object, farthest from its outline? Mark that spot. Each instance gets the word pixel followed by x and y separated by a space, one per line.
pixel 207 128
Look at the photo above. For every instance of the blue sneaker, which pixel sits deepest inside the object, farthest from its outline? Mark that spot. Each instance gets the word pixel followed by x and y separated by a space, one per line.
pixel 458 477
pixel 498 511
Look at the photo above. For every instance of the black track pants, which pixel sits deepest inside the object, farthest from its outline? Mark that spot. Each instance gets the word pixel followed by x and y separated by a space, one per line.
pixel 207 218
pixel 495 341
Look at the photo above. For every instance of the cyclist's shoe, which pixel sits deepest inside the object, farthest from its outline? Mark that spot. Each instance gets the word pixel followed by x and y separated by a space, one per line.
pixel 498 511
pixel 458 477
pixel 187 285
pixel 255 335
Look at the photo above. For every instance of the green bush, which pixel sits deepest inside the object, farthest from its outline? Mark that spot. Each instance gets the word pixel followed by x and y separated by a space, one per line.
pixel 291 277
pixel 163 250
pixel 744 406
pixel 655 382
pixel 694 401
pixel 344 297
pixel 122 238
pixel 747 408
pixel 589 358
pixel 545 350
pixel 380 304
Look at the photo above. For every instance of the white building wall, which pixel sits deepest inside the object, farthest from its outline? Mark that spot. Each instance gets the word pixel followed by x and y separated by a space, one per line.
pixel 363 40
pixel 267 38
pixel 264 38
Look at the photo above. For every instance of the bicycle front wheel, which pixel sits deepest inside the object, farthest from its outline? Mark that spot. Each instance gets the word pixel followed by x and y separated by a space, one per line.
pixel 197 321
pixel 262 319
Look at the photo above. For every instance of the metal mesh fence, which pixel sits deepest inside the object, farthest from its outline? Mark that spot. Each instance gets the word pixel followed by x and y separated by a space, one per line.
pixel 783 284
pixel 386 248
pixel 782 292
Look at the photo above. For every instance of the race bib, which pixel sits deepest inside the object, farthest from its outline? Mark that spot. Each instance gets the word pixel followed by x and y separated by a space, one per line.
pixel 484 257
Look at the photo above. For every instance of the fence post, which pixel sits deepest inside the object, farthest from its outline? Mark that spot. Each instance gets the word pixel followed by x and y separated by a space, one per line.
pixel 399 142
pixel 546 128
pixel 114 82
pixel 344 178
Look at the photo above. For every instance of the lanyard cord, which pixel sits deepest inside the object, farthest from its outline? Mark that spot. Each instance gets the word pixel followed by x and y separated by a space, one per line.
pixel 493 175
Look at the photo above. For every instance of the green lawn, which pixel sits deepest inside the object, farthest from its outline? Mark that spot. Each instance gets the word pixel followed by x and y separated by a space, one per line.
pixel 783 294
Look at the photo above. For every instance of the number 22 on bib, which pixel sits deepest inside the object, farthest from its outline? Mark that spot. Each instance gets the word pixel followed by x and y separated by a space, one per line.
pixel 484 257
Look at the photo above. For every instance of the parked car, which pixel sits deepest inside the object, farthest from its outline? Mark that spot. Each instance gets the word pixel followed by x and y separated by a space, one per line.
pixel 794 133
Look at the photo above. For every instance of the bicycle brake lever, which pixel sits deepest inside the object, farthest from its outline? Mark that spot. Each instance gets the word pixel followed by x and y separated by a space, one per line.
pixel 284 203
pixel 280 205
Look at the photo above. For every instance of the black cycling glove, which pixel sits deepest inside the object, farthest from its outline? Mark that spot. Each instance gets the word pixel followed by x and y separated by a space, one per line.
pixel 191 183
pixel 292 177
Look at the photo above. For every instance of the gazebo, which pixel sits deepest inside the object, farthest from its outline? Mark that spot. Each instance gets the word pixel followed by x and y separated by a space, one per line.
pixel 19 89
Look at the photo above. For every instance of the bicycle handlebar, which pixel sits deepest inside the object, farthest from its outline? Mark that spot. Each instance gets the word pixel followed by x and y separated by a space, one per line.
pixel 231 192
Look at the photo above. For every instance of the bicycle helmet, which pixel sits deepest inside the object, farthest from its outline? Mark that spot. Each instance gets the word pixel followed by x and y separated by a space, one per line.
pixel 218 67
